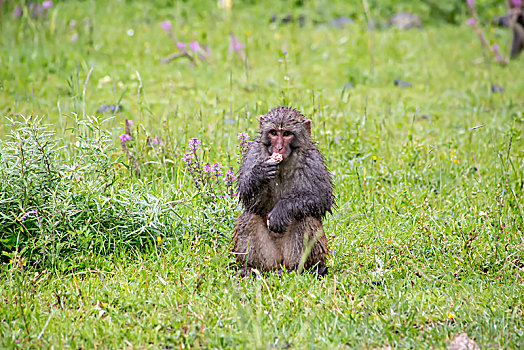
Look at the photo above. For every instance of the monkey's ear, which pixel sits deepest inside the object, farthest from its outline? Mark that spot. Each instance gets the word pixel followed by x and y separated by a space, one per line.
pixel 261 119
pixel 307 125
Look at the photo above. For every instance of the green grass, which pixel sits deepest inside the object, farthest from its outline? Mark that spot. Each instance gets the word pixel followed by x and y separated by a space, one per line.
pixel 427 238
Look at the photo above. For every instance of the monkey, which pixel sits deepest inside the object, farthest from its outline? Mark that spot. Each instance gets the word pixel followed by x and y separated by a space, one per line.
pixel 283 202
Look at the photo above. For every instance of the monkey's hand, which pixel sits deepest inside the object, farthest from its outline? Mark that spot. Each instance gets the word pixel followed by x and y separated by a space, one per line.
pixel 278 220
pixel 268 170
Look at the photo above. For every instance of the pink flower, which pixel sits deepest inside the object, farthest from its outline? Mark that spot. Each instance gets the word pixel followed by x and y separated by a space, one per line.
pixel 470 3
pixel 235 45
pixel 495 48
pixel 181 46
pixel 187 158
pixel 157 141
pixel 125 137
pixel 194 144
pixel 517 3
pixel 33 212
pixel 129 122
pixel 47 4
pixel 470 21
pixel 195 46
pixel 166 25
pixel 243 136
pixel 17 12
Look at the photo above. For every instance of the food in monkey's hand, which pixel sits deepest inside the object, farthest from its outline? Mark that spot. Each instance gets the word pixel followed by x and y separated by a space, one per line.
pixel 275 158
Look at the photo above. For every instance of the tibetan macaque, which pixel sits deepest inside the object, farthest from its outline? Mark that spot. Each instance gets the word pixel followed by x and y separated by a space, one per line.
pixel 285 191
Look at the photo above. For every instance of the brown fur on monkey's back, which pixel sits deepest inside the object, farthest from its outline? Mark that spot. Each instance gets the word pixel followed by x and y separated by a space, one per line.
pixel 267 250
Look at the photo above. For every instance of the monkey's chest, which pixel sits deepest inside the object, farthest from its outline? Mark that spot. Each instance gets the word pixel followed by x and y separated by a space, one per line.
pixel 278 190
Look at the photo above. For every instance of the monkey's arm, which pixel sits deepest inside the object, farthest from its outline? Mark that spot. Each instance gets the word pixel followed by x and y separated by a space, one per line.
pixel 312 195
pixel 253 177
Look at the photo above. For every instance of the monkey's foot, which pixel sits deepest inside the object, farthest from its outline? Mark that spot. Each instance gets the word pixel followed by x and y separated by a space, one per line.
pixel 320 270
pixel 247 272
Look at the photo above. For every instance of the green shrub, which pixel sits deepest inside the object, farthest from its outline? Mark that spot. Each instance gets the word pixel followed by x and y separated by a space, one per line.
pixel 66 199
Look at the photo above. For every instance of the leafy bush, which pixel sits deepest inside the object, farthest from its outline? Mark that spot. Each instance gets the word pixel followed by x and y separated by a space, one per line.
pixel 60 199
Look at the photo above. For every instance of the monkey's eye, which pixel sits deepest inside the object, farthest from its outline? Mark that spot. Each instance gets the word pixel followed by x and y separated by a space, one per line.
pixel 273 132
pixel 287 133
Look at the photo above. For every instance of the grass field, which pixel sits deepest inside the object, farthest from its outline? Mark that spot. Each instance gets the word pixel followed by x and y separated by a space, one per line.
pixel 111 244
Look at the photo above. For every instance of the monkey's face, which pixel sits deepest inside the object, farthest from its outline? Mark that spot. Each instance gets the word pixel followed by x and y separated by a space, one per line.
pixel 280 141
pixel 283 130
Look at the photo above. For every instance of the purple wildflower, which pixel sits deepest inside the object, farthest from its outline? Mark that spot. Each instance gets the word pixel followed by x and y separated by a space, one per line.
pixel 470 3
pixel 157 141
pixel 495 48
pixel 47 4
pixel 235 45
pixel 470 21
pixel 195 46
pixel 17 12
pixel 124 138
pixel 194 167
pixel 132 159
pixel 166 26
pixel 496 88
pixel 208 170
pixel 187 157
pixel 129 122
pixel 217 169
pixel 181 46
pixel 230 174
pixel 72 23
pixel 229 181
pixel 212 172
pixel 243 144
pixel 194 144
pixel 28 214
pixel 243 136
pixel 517 3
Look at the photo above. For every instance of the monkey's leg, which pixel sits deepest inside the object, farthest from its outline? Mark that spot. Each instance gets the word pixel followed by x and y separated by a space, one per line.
pixel 254 245
pixel 313 249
